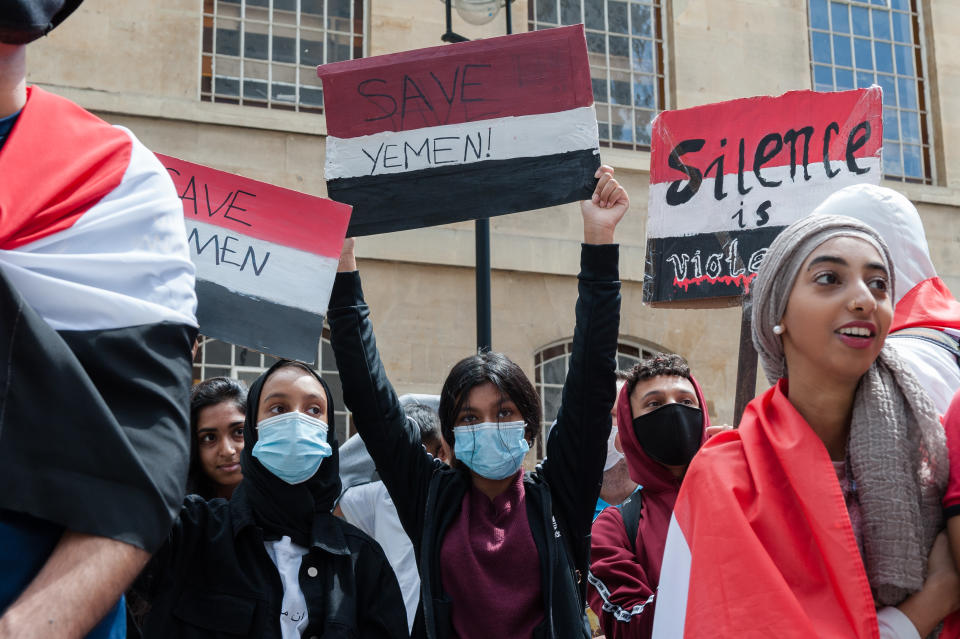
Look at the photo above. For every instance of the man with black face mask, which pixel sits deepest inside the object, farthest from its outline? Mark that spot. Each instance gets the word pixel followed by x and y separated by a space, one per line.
pixel 662 419
pixel 96 322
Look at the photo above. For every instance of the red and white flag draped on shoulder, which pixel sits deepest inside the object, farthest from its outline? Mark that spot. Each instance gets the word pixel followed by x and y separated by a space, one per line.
pixel 760 543
pixel 97 306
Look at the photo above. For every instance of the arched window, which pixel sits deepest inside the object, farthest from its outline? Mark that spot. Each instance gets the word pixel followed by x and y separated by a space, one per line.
pixel 220 358
pixel 550 371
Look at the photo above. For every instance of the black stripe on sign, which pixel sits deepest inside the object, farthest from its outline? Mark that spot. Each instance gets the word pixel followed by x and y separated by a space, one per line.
pixel 415 199
pixel 265 326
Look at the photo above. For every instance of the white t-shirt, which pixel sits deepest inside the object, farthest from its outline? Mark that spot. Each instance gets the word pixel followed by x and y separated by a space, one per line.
pixel 369 508
pixel 934 366
pixel 287 557
pixel 895 625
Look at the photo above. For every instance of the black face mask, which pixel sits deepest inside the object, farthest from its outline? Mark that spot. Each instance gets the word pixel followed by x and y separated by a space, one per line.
pixel 671 434
pixel 23 21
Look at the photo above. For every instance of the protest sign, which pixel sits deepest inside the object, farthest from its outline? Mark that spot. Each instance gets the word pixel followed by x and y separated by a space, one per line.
pixel 726 178
pixel 265 257
pixel 462 131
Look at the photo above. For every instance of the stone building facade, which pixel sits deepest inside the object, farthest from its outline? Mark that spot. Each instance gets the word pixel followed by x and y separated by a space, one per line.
pixel 230 84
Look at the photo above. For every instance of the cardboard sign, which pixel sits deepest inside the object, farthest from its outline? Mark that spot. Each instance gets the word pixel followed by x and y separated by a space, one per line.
pixel 265 258
pixel 726 178
pixel 461 131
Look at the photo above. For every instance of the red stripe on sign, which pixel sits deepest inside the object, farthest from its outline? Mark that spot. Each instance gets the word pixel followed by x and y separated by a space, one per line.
pixel 752 133
pixel 522 74
pixel 257 209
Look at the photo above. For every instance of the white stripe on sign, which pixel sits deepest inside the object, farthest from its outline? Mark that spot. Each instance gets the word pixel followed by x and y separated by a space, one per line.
pixel 670 616
pixel 761 206
pixel 434 147
pixel 122 263
pixel 251 266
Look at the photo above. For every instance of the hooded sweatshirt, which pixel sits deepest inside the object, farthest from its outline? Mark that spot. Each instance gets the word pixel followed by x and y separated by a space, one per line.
pixel 624 578
pixel 922 299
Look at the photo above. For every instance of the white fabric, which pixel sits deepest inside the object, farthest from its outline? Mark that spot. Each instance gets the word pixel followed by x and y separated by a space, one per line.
pixel 935 367
pixel 287 557
pixel 123 263
pixel 896 219
pixel 670 615
pixel 369 508
pixel 895 625
pixel 613 455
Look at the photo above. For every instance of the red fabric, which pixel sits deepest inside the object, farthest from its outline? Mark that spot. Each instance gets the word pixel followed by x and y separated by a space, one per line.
pixel 84 161
pixel 951 426
pixel 930 303
pixel 773 552
pixel 490 567
pixel 632 576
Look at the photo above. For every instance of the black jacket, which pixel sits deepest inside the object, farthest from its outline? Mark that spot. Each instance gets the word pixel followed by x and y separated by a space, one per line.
pixel 561 493
pixel 213 578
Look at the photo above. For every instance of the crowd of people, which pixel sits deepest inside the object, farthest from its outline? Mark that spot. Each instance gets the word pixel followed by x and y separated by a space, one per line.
pixel 135 506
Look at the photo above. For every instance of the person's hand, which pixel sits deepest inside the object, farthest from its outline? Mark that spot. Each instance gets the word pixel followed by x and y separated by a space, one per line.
pixel 942 572
pixel 603 212
pixel 717 429
pixel 348 261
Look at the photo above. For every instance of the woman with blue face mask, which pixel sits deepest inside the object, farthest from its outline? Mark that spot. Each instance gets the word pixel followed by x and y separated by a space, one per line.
pixel 502 553
pixel 273 561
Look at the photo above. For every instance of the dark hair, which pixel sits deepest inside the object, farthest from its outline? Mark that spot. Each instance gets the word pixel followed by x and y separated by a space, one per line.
pixel 426 420
pixel 660 364
pixel 209 392
pixel 500 371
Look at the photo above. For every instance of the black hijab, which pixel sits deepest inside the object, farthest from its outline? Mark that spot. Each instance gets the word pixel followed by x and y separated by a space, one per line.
pixel 280 508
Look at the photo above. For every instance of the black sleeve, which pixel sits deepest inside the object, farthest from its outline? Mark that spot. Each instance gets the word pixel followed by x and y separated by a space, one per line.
pixel 170 564
pixel 577 444
pixel 403 464
pixel 381 612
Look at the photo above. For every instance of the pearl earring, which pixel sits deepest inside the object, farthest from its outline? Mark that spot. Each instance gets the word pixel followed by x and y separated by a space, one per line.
pixel 778 329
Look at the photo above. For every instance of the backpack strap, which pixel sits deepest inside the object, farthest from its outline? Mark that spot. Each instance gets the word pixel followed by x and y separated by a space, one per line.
pixel 631 512
pixel 931 335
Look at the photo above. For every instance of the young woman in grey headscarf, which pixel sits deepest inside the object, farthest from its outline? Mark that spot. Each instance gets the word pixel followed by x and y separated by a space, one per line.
pixel 823 507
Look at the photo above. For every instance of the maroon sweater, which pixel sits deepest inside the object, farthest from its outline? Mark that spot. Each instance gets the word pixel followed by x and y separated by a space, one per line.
pixel 490 567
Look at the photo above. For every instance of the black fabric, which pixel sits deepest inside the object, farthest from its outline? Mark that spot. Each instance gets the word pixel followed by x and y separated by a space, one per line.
pixel 23 21
pixel 671 434
pixel 94 430
pixel 631 511
pixel 213 578
pixel 281 508
pixel 560 494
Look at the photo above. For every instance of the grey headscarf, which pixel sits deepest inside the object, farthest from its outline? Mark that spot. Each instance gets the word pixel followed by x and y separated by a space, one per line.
pixel 896 453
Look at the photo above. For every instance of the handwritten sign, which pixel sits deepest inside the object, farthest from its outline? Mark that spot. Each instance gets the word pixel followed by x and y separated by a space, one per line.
pixel 462 131
pixel 726 178
pixel 265 258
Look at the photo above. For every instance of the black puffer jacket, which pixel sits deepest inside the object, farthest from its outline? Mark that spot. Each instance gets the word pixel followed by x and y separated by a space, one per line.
pixel 213 577
pixel 561 493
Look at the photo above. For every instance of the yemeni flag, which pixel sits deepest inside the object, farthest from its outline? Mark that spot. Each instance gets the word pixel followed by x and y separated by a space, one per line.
pixel 726 178
pixel 462 131
pixel 266 258
pixel 97 309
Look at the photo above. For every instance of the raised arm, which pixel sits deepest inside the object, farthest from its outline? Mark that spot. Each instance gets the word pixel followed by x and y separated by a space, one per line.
pixel 577 444
pixel 403 464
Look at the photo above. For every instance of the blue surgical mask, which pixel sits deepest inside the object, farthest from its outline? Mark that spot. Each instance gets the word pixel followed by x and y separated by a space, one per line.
pixel 292 445
pixel 491 450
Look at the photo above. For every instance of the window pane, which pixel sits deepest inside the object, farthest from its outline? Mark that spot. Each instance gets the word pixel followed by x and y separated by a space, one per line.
pixel 311 50
pixel 593 15
pixel 551 403
pixel 863 52
pixel 617 17
pixel 822 78
pixel 818 15
pixel 860 19
pixel 599 89
pixel 891 125
pixel 839 17
pixel 910 126
pixel 889 89
pixel 641 20
pixel 621 125
pixel 864 79
pixel 216 352
pixel 338 15
pixel 284 45
pixel 884 56
pixel 644 122
pixel 820 43
pixel 881 24
pixel 891 159
pixel 844 79
pixel 554 370
pixel 644 92
pixel 570 12
pixel 619 49
pixel 904 57
pixel 547 11
pixel 908 92
pixel 912 163
pixel 901 27
pixel 596 43
pixel 255 44
pixel 338 47
pixel 841 51
pixel 643 52
pixel 228 39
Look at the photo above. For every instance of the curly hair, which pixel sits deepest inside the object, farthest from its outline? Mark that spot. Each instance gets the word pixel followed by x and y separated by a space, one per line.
pixel 660 364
